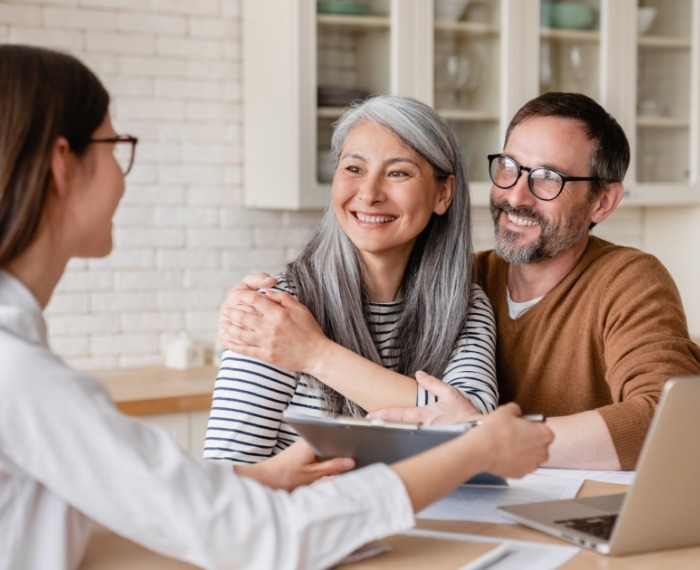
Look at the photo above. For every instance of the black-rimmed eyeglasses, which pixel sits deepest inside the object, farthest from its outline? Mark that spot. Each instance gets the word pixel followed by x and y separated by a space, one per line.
pixel 124 150
pixel 544 183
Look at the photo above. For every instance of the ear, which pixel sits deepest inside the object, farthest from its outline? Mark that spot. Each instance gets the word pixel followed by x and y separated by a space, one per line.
pixel 447 192
pixel 61 166
pixel 607 201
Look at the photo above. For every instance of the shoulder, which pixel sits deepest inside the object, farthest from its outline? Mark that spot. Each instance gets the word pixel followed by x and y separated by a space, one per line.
pixel 480 310
pixel 611 275
pixel 488 269
pixel 620 263
pixel 486 258
pixel 478 298
pixel 285 285
pixel 33 378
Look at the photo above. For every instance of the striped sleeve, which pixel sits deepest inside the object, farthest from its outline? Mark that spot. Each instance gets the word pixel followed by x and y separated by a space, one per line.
pixel 472 366
pixel 245 422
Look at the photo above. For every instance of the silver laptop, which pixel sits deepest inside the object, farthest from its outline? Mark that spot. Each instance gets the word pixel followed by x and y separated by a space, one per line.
pixel 661 509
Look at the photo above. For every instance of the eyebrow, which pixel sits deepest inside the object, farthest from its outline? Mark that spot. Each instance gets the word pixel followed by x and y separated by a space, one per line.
pixel 547 166
pixel 393 160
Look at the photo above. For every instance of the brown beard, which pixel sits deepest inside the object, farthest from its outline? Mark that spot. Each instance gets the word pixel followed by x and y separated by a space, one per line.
pixel 553 238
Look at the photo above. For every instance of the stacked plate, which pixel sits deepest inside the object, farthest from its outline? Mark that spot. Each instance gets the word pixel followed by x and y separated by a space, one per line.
pixel 349 7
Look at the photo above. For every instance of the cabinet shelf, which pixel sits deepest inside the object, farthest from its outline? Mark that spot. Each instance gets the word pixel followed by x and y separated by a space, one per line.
pixel 467 115
pixel 353 23
pixel 663 122
pixel 664 42
pixel 470 28
pixel 569 35
pixel 329 112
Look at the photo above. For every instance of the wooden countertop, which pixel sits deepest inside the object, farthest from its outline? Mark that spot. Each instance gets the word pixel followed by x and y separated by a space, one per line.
pixel 159 390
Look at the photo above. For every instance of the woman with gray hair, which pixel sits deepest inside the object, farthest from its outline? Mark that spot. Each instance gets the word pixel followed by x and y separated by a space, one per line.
pixel 380 292
pixel 69 458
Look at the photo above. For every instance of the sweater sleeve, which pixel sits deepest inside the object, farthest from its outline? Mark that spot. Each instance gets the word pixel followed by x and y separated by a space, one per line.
pixel 472 367
pixel 646 342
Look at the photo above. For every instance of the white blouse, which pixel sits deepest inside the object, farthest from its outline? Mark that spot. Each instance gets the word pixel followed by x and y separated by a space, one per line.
pixel 69 457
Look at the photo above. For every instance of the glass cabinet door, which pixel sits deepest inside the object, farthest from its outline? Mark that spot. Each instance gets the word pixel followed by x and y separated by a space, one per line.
pixel 664 91
pixel 466 77
pixel 570 46
pixel 353 61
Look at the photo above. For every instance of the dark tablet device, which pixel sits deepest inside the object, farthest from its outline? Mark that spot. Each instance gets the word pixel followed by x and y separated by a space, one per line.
pixel 376 441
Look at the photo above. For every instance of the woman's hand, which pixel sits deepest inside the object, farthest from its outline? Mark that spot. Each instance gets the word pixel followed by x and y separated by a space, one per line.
pixel 452 407
pixel 514 446
pixel 271 326
pixel 504 444
pixel 295 466
pixel 251 283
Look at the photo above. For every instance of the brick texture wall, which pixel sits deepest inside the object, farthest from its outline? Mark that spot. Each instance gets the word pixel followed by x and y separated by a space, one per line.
pixel 182 237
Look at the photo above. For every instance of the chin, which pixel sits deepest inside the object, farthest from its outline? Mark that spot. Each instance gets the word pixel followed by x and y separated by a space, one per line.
pixel 97 250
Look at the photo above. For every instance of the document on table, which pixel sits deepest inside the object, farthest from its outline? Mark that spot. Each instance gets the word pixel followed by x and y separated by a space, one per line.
pixel 624 477
pixel 511 554
pixel 480 502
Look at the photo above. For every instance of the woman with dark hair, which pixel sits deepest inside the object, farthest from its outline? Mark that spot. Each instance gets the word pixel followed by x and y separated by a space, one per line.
pixel 69 457
pixel 381 291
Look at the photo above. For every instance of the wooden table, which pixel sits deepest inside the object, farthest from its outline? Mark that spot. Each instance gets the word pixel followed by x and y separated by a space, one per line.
pixel 159 390
pixel 108 551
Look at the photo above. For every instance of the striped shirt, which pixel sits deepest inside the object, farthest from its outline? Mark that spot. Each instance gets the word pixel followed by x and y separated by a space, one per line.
pixel 245 421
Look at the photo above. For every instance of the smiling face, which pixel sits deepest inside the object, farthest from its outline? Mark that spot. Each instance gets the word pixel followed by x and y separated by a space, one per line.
pixel 97 186
pixel 384 194
pixel 527 229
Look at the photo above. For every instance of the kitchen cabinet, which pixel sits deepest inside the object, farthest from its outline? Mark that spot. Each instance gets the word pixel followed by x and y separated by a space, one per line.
pixel 187 428
pixel 304 60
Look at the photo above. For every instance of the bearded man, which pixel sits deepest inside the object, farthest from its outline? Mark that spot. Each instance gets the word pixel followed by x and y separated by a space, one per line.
pixel 588 331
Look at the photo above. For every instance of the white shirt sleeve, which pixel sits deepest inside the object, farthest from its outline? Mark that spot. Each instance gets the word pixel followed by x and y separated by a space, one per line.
pixel 59 430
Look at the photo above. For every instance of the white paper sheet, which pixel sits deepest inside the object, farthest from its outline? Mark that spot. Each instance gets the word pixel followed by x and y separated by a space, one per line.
pixel 625 477
pixel 521 555
pixel 480 502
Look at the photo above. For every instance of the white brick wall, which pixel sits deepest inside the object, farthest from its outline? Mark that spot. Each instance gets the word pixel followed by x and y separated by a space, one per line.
pixel 182 237
pixel 173 68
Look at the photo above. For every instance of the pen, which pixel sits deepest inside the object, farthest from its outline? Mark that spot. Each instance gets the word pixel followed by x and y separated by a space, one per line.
pixel 528 417
pixel 489 559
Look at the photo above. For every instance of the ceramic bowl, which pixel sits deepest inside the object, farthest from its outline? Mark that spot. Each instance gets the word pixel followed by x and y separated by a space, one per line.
pixel 645 18
pixel 572 15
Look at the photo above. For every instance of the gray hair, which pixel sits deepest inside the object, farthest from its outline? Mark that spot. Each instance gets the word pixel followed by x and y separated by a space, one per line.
pixel 328 274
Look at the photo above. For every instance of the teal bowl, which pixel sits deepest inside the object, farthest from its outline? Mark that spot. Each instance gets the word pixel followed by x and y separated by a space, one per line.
pixel 572 15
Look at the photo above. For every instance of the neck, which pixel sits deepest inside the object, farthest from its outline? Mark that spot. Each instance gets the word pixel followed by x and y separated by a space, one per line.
pixel 383 279
pixel 531 280
pixel 39 269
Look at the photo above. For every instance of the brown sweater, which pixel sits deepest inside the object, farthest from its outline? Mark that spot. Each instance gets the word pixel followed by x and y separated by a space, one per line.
pixel 606 337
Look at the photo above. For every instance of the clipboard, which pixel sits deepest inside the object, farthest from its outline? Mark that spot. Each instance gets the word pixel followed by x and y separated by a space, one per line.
pixel 376 441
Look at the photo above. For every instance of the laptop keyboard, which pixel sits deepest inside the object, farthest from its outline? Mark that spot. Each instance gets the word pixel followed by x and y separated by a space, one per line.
pixel 600 526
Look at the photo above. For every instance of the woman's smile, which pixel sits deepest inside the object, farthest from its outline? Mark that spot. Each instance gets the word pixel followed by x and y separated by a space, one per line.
pixel 374 219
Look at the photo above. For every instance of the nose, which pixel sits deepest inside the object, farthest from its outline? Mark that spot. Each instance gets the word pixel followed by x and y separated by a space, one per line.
pixel 370 190
pixel 519 195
